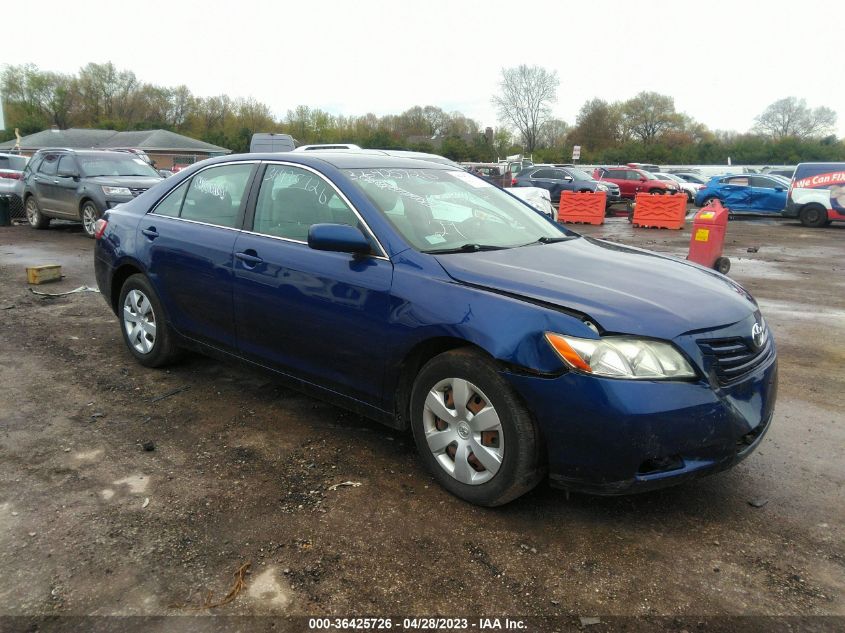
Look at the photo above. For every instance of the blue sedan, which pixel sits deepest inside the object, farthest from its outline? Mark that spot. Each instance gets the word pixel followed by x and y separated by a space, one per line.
pixel 424 297
pixel 746 193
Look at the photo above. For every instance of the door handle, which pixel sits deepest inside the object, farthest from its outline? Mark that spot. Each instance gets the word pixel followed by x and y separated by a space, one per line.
pixel 151 232
pixel 250 258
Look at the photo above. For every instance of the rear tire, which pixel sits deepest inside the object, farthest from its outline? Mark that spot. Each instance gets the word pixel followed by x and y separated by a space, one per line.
pixel 813 216
pixel 143 324
pixel 36 219
pixel 449 435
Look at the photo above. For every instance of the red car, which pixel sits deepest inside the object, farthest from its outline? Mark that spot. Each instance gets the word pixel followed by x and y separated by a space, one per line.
pixel 633 181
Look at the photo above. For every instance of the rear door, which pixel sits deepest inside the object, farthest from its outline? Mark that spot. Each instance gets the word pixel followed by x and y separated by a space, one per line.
pixel 189 239
pixel 767 194
pixel 736 192
pixel 44 183
pixel 543 178
pixel 316 315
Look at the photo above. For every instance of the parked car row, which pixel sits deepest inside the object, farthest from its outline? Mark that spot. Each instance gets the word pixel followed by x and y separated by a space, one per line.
pixel 557 179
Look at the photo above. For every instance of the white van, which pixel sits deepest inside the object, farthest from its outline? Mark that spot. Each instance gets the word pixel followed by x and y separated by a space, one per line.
pixel 817 194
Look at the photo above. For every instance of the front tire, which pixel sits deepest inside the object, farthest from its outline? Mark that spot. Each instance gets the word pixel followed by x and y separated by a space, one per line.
pixel 89 214
pixel 36 219
pixel 472 431
pixel 144 325
pixel 813 216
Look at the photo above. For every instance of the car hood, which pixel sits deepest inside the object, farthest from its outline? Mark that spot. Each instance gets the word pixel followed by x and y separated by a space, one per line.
pixel 124 181
pixel 623 289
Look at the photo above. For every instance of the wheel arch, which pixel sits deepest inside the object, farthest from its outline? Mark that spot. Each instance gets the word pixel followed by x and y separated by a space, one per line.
pixel 410 366
pixel 119 277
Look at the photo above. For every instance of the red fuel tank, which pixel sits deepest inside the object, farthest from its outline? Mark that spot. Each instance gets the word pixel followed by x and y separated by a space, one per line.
pixel 708 237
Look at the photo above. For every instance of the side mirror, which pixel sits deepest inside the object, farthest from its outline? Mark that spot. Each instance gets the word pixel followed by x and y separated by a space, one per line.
pixel 568 178
pixel 780 188
pixel 339 238
pixel 643 179
pixel 67 173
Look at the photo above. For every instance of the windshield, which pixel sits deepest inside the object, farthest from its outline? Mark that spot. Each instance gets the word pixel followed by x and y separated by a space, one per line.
pixel 444 210
pixel 650 175
pixel 781 179
pixel 115 166
pixel 577 174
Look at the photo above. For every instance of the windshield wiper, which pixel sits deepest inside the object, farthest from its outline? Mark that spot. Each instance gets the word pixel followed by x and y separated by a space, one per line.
pixel 545 239
pixel 465 248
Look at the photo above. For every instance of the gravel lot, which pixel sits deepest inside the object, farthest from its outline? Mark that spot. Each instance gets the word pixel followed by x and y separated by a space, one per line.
pixel 91 523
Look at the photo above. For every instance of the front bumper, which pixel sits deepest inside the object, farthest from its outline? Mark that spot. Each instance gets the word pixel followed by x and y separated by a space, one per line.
pixel 613 437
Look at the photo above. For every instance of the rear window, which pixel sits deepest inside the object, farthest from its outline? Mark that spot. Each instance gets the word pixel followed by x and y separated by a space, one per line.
pixel 13 162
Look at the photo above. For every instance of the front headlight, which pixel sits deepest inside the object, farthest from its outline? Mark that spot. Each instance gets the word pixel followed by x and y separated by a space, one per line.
pixel 602 187
pixel 622 357
pixel 117 191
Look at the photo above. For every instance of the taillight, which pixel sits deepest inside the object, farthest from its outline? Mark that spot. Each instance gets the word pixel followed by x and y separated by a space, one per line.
pixel 10 175
pixel 513 182
pixel 100 228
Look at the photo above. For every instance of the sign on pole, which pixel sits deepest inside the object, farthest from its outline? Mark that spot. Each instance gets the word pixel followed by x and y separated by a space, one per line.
pixel 576 152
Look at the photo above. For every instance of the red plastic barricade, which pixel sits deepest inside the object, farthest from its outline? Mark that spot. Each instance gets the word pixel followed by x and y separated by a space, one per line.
pixel 584 207
pixel 657 211
pixel 708 237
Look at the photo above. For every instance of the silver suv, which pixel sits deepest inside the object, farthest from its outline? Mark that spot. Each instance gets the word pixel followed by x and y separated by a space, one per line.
pixel 81 184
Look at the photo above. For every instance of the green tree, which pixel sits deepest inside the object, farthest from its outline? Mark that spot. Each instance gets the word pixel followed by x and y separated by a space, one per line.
pixel 649 114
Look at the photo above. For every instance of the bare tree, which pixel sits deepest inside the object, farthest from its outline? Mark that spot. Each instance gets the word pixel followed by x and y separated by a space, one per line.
pixel 792 117
pixel 527 93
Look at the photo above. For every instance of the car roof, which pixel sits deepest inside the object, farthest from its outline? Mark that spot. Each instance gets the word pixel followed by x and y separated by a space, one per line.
pixel 357 159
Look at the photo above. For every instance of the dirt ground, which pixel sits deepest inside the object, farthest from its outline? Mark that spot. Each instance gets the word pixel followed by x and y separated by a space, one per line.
pixel 91 523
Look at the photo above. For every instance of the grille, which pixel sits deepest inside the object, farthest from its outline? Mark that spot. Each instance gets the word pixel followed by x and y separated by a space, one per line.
pixel 733 358
pixel 137 191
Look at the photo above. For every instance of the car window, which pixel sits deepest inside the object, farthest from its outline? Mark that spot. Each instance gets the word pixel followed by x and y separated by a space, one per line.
pixel 619 174
pixel 34 164
pixel 291 199
pixel 740 181
pixel 114 164
pixel 544 173
pixel 632 175
pixel 768 183
pixel 442 210
pixel 172 204
pixel 67 163
pixel 13 162
pixel 49 166
pixel 215 194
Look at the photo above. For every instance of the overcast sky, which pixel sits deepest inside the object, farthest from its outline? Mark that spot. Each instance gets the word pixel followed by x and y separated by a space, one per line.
pixel 723 62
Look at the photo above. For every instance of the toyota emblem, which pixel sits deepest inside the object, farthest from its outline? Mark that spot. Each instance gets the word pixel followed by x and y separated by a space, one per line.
pixel 758 335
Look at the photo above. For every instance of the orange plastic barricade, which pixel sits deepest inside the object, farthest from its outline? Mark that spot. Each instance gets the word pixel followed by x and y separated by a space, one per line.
pixel 584 207
pixel 657 211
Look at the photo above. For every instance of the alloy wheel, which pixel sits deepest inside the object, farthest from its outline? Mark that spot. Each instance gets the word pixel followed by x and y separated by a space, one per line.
pixel 139 321
pixel 89 218
pixel 32 213
pixel 463 431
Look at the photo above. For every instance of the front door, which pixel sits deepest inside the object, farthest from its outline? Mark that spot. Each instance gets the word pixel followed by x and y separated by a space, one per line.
pixel 66 186
pixel 767 195
pixel 317 315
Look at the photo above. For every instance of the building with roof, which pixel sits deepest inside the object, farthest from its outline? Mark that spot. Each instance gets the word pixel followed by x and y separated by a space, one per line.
pixel 164 147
